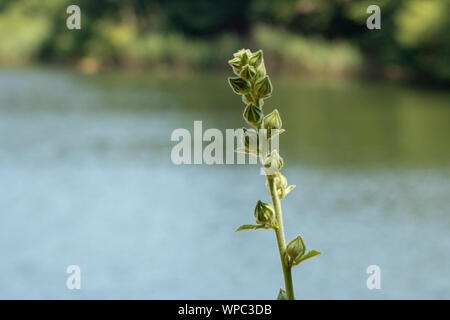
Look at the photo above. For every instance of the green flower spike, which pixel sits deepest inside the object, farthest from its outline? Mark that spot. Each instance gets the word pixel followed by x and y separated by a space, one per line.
pixel 254 85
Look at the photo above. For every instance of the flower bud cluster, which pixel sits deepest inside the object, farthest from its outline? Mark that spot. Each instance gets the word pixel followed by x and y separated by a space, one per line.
pixel 253 84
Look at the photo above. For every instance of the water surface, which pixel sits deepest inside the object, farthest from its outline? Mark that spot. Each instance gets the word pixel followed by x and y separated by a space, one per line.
pixel 86 179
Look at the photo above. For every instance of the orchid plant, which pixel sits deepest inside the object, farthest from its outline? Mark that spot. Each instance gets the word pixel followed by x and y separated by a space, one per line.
pixel 254 85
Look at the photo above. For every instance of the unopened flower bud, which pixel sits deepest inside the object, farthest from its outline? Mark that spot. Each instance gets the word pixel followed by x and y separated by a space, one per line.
pixel 253 115
pixel 273 161
pixel 245 57
pixel 263 87
pixel 239 85
pixel 264 213
pixel 280 185
pixel 256 58
pixel 261 71
pixel 296 248
pixel 248 72
pixel 280 180
pixel 272 121
pixel 239 53
pixel 235 63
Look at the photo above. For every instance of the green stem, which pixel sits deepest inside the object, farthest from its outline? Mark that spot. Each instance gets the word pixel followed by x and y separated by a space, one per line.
pixel 279 232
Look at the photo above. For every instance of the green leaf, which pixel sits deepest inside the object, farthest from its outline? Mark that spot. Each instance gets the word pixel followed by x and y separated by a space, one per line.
pixel 282 295
pixel 289 189
pixel 250 227
pixel 307 256
pixel 243 150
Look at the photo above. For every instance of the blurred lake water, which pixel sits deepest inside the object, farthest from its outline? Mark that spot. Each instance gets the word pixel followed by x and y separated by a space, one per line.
pixel 86 179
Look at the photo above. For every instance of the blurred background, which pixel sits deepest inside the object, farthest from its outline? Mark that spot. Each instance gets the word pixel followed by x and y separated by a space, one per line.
pixel 86 176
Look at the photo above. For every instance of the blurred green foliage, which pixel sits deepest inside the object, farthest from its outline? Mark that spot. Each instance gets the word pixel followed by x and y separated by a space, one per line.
pixel 308 36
